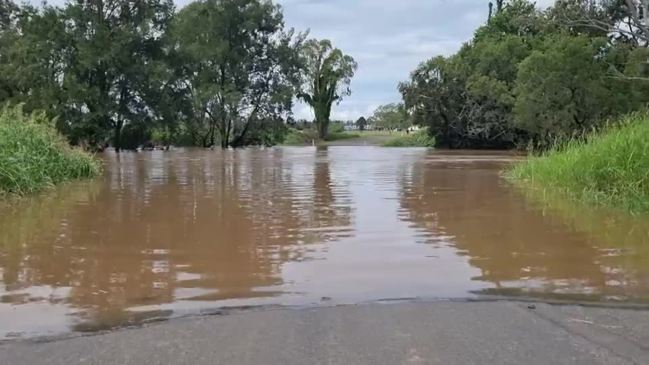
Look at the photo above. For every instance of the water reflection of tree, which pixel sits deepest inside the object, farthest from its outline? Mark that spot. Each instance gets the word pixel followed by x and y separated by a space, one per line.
pixel 331 205
pixel 192 226
pixel 513 244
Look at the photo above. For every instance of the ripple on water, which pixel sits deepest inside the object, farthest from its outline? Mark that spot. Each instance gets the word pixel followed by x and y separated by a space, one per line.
pixel 188 231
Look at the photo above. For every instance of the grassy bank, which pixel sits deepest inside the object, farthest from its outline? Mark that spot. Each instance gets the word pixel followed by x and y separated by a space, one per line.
pixel 307 137
pixel 338 136
pixel 415 139
pixel 33 155
pixel 611 168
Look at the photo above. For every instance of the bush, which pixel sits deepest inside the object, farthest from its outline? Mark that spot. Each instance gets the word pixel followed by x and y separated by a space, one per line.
pixel 336 127
pixel 609 168
pixel 419 138
pixel 296 137
pixel 33 155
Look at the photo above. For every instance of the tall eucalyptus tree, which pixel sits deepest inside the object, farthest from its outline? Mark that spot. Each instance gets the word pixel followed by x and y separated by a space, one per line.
pixel 327 76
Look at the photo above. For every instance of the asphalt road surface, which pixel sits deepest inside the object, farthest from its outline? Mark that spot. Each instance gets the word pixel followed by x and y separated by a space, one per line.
pixel 397 333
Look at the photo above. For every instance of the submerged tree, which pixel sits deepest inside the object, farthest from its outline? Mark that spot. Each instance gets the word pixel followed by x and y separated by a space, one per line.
pixel 112 46
pixel 239 68
pixel 327 77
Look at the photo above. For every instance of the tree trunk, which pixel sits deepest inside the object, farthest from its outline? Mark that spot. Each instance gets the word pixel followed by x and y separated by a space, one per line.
pixel 117 138
pixel 212 136
pixel 323 127
pixel 225 137
pixel 321 121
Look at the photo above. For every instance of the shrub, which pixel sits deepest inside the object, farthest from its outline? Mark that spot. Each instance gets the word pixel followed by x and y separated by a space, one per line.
pixel 296 137
pixel 33 155
pixel 419 138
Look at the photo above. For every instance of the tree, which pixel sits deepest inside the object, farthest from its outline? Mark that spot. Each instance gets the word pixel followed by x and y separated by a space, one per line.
pixel 636 78
pixel 515 17
pixel 361 123
pixel 562 89
pixel 391 116
pixel 111 45
pixel 239 68
pixel 435 96
pixel 490 67
pixel 620 20
pixel 31 61
pixel 8 37
pixel 326 80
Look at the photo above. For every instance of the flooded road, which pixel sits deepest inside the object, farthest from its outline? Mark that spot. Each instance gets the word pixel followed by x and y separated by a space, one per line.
pixel 165 234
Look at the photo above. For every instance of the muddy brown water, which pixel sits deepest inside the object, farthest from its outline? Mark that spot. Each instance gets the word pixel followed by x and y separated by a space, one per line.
pixel 165 234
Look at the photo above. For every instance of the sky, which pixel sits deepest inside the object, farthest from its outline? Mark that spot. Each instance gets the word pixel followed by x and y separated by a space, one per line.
pixel 388 39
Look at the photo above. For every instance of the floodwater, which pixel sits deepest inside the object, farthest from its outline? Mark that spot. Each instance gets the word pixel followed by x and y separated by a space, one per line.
pixel 185 232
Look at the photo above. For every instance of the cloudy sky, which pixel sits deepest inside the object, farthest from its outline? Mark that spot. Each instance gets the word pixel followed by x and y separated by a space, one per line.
pixel 388 39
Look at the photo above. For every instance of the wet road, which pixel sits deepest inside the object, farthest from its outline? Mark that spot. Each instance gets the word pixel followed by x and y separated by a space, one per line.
pixel 375 334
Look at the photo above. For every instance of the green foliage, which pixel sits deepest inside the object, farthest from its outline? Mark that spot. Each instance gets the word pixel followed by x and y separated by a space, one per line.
pixel 92 63
pixel 296 137
pixel 342 135
pixel 33 155
pixel 361 123
pixel 218 71
pixel 134 135
pixel 238 68
pixel 391 117
pixel 530 77
pixel 326 79
pixel 608 168
pixel 113 47
pixel 562 88
pixel 419 138
pixel 336 127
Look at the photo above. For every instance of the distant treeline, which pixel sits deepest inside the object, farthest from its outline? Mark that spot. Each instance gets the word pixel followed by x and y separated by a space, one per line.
pixel 530 77
pixel 134 72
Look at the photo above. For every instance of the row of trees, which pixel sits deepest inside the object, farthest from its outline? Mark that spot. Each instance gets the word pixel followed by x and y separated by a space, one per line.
pixel 217 72
pixel 533 76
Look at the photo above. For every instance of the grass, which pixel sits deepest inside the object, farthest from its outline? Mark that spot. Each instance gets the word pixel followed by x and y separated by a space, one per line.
pixel 34 156
pixel 296 137
pixel 416 139
pixel 308 136
pixel 337 136
pixel 609 168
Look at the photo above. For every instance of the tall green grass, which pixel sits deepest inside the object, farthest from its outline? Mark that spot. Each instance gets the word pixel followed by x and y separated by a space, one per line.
pixel 33 155
pixel 609 168
pixel 416 139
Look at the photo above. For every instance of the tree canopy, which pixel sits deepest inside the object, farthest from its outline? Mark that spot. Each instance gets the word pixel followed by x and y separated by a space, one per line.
pixel 216 72
pixel 390 116
pixel 326 79
pixel 237 66
pixel 531 77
